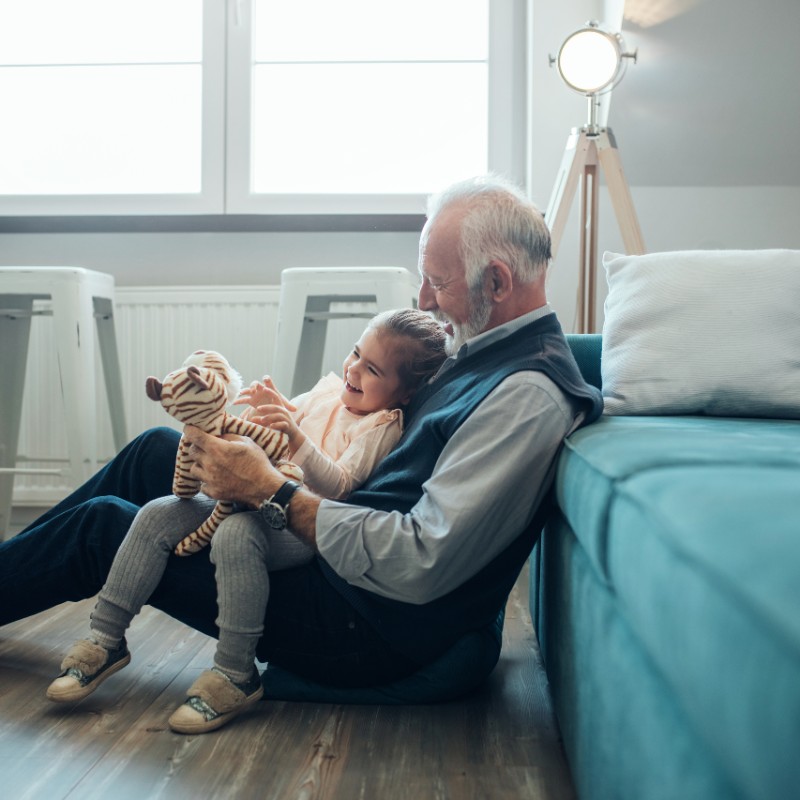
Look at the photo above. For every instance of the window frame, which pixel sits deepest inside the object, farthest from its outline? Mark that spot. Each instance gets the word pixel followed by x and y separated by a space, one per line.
pixel 225 181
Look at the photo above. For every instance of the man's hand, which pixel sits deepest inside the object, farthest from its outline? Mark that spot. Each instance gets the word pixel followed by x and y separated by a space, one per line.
pixel 236 468
pixel 232 468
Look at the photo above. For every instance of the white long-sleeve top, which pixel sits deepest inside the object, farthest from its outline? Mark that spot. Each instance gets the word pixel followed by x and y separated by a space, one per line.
pixel 341 448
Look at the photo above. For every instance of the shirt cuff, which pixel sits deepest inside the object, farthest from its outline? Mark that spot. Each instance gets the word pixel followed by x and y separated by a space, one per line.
pixel 302 452
pixel 339 539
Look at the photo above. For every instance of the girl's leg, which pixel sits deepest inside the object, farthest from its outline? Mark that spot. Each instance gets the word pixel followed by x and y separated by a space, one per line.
pixel 244 551
pixel 135 572
pixel 141 561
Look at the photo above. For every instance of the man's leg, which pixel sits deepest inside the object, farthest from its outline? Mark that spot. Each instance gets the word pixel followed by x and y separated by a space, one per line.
pixel 67 557
pixel 142 471
pixel 311 630
pixel 66 553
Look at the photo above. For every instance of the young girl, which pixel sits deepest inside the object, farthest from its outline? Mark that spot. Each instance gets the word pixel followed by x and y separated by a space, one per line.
pixel 338 432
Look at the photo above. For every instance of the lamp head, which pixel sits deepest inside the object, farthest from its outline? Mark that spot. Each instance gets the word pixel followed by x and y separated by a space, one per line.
pixel 592 61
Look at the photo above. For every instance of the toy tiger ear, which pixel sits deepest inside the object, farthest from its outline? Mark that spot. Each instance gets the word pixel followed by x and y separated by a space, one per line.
pixel 153 387
pixel 194 373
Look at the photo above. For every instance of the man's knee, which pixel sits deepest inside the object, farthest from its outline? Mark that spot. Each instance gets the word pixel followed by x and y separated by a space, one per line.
pixel 157 446
pixel 145 468
pixel 100 526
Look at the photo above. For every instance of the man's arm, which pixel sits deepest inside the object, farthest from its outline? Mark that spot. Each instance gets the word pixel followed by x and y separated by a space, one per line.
pixel 236 468
pixel 487 483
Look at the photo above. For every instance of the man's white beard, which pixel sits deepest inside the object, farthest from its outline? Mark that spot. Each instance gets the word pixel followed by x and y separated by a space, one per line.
pixel 479 313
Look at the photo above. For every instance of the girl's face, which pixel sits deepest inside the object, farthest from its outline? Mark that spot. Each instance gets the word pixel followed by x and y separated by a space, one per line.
pixel 371 379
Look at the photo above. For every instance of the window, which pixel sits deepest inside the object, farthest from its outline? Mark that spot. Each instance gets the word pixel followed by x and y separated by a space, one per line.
pixel 109 107
pixel 253 106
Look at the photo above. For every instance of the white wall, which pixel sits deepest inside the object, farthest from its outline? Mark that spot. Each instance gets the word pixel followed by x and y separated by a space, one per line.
pixel 717 213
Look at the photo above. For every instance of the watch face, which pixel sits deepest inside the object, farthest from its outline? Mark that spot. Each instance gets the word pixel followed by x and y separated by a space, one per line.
pixel 273 515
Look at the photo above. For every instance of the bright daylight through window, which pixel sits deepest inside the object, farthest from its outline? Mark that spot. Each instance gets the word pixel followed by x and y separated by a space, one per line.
pixel 203 106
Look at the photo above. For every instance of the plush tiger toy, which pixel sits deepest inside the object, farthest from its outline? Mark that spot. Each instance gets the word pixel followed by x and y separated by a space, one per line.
pixel 198 394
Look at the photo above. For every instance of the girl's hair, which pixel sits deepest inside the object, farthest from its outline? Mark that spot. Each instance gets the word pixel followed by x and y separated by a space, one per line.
pixel 423 345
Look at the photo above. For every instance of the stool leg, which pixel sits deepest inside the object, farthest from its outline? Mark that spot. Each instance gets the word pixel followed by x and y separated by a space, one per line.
pixel 14 340
pixel 109 354
pixel 287 338
pixel 308 364
pixel 73 317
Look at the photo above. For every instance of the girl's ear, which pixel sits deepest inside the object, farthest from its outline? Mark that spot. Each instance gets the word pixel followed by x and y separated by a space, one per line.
pixel 405 398
pixel 501 280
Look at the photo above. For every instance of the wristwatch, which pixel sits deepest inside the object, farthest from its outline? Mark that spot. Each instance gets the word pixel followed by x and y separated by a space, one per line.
pixel 275 509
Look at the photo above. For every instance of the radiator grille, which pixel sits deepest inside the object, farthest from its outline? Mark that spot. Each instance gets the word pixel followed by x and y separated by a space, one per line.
pixel 156 329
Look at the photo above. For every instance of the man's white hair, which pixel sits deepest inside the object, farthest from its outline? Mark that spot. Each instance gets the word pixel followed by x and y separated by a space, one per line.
pixel 501 223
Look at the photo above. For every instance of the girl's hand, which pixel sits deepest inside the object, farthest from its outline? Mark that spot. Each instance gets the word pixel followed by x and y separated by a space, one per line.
pixel 278 418
pixel 262 393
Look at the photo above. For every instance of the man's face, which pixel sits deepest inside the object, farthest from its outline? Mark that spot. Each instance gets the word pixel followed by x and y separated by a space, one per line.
pixel 444 291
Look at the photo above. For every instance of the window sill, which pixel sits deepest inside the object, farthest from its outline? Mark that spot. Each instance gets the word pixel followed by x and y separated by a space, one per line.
pixel 223 223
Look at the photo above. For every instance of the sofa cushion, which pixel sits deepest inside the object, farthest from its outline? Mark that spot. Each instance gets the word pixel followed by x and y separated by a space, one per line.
pixel 703 332
pixel 599 459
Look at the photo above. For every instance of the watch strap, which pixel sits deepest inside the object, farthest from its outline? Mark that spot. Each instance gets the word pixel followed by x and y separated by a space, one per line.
pixel 285 494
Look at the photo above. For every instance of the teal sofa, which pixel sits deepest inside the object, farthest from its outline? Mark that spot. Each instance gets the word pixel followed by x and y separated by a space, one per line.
pixel 665 593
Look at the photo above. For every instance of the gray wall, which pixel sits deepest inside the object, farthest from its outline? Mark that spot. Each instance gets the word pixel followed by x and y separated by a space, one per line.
pixel 706 123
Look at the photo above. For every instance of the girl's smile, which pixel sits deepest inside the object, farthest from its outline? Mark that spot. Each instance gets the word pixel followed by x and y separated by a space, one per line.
pixel 371 377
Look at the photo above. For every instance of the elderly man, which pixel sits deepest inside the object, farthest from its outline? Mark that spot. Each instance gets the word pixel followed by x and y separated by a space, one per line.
pixel 429 547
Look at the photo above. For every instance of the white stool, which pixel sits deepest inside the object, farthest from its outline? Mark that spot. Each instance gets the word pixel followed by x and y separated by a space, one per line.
pixel 306 298
pixel 78 297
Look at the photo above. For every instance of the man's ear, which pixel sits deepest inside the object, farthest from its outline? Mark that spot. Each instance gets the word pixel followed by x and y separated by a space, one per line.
pixel 501 280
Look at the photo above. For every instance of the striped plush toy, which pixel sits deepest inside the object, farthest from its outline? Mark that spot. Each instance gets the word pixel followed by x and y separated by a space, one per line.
pixel 198 394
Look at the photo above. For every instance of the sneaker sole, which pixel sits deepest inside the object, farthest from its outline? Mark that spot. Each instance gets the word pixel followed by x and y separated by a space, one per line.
pixel 196 724
pixel 75 692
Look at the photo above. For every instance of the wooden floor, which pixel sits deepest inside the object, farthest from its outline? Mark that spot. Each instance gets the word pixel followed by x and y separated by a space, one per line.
pixel 500 743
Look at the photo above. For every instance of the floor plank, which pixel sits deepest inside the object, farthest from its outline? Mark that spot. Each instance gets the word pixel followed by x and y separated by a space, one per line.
pixel 502 742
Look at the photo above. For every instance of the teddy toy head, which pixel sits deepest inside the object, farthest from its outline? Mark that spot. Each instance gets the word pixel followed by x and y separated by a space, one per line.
pixel 199 391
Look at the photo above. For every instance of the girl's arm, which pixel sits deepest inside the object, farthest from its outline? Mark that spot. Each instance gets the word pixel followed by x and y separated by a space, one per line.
pixel 335 479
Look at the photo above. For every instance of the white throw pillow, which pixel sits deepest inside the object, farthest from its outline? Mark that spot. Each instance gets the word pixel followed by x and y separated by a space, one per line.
pixel 703 332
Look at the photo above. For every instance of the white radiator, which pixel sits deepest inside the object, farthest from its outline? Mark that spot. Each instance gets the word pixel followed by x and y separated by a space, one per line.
pixel 157 327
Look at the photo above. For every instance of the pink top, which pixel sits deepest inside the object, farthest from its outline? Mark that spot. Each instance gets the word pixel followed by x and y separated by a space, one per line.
pixel 342 448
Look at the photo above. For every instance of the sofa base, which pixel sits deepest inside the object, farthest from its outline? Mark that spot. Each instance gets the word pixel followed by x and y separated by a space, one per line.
pixel 624 734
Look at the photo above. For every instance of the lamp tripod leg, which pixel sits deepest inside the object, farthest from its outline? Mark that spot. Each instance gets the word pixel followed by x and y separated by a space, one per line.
pixel 569 173
pixel 620 193
pixel 587 278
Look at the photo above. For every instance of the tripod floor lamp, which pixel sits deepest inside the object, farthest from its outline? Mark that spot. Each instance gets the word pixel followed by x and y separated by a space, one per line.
pixel 591 61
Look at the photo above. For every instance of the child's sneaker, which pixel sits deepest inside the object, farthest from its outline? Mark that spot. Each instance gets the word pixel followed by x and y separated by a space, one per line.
pixel 214 700
pixel 86 666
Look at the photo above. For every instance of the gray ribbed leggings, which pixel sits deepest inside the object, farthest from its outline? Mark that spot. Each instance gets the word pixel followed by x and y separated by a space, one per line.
pixel 244 550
